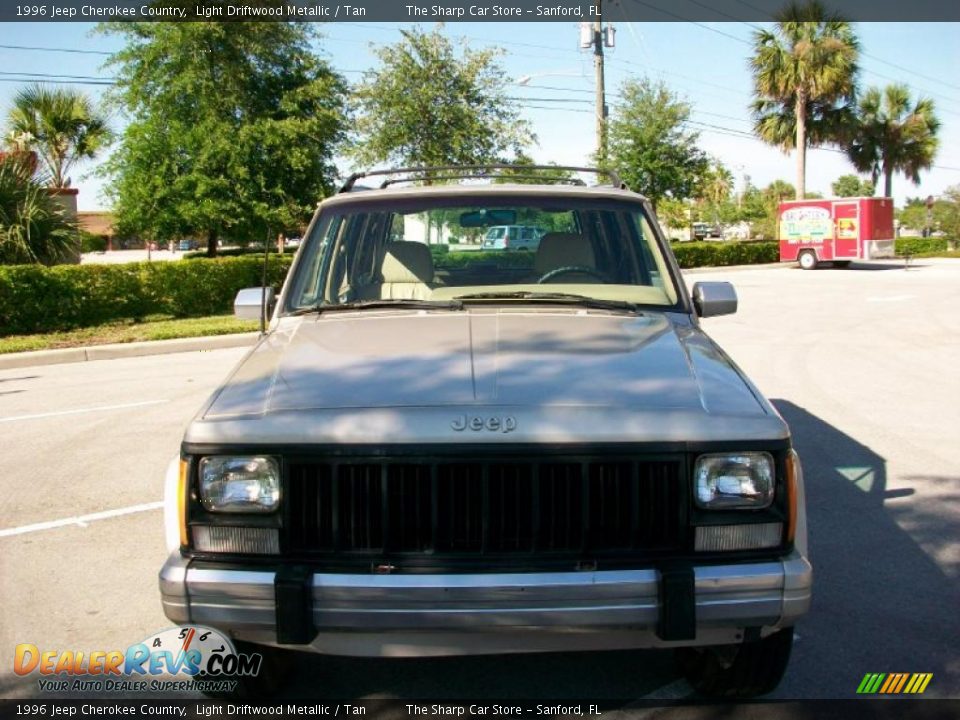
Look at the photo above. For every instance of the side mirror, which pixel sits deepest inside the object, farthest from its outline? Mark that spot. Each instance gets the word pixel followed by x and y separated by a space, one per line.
pixel 714 298
pixel 247 304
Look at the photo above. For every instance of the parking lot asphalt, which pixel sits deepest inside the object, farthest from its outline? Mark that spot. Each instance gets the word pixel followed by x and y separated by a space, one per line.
pixel 864 363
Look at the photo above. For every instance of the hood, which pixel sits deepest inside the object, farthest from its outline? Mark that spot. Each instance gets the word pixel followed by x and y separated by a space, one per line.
pixel 508 358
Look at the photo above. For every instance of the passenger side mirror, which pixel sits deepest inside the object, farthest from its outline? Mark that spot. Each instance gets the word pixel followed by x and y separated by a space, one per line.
pixel 247 304
pixel 714 298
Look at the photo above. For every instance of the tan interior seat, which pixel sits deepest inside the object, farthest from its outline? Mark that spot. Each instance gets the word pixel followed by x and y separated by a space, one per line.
pixel 407 271
pixel 559 249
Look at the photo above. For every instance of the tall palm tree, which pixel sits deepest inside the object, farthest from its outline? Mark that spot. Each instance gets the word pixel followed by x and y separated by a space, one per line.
pixel 804 75
pixel 715 187
pixel 891 135
pixel 65 127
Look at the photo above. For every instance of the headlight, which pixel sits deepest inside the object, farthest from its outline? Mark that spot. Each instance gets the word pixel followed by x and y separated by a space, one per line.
pixel 239 484
pixel 734 481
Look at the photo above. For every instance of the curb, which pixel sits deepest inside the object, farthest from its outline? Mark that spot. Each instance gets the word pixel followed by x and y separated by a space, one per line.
pixel 124 350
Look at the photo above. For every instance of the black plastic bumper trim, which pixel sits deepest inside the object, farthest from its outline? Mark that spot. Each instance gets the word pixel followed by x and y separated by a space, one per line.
pixel 678 608
pixel 293 588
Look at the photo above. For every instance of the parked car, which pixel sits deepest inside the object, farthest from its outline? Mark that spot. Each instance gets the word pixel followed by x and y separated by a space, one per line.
pixel 512 237
pixel 538 455
pixel 188 244
pixel 702 231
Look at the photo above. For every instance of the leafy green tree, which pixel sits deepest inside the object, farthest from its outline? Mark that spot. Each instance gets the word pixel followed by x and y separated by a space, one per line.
pixel 63 126
pixel 852 186
pixel 914 217
pixel 34 227
pixel 892 135
pixel 428 104
pixel 649 145
pixel 950 219
pixel 714 190
pixel 804 75
pixel 233 133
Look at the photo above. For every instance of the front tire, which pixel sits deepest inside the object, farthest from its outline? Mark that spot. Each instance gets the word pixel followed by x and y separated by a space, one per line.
pixel 737 671
pixel 808 259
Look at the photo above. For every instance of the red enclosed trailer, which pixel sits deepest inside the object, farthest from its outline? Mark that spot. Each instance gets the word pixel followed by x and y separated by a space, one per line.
pixel 835 230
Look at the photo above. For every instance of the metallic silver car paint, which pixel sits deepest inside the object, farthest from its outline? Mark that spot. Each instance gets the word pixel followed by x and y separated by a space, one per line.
pixel 565 375
pixel 562 376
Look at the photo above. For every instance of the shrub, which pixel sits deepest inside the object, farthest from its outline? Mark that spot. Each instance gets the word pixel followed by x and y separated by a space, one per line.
pixel 34 227
pixel 92 243
pixel 919 245
pixel 707 254
pixel 40 299
pixel 495 258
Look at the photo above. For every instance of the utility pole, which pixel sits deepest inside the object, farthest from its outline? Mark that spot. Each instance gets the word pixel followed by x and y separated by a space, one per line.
pixel 601 108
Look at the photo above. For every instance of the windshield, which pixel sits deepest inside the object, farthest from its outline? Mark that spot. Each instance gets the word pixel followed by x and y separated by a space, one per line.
pixel 437 250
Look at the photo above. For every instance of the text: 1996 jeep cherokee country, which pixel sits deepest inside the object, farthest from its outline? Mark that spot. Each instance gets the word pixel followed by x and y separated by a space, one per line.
pixel 439 450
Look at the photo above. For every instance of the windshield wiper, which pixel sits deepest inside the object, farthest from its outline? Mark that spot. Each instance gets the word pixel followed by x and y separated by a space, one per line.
pixel 378 304
pixel 555 297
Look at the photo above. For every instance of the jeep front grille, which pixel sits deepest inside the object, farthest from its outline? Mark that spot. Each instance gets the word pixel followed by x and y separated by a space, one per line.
pixel 587 507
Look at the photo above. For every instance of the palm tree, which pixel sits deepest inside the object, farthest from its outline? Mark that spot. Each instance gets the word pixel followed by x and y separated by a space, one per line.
pixel 715 187
pixel 804 74
pixel 64 125
pixel 892 136
pixel 33 225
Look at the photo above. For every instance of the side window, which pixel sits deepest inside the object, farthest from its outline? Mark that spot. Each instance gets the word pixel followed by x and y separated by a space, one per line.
pixel 308 287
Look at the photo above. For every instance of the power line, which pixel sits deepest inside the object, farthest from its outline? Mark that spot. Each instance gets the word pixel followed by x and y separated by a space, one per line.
pixel 59 76
pixel 55 82
pixel 55 49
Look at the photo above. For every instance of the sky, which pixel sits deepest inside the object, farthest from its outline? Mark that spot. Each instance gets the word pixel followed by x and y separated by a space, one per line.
pixel 705 63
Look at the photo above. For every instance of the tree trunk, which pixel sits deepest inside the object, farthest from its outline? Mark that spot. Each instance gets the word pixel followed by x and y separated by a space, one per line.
pixel 800 110
pixel 888 182
pixel 211 243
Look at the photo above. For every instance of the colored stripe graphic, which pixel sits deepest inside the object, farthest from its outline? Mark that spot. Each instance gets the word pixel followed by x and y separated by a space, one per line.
pixel 894 683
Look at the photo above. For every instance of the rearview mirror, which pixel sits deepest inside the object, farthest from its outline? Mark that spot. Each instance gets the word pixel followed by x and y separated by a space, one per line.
pixel 248 302
pixel 714 298
pixel 488 217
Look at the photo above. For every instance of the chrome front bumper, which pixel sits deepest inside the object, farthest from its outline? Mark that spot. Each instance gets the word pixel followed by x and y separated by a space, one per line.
pixel 495 612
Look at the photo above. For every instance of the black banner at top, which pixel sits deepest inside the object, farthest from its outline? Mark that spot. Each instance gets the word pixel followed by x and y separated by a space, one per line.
pixel 462 10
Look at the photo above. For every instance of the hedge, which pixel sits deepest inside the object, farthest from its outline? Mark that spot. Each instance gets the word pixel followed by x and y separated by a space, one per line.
pixel 496 258
pixel 919 245
pixel 706 254
pixel 34 298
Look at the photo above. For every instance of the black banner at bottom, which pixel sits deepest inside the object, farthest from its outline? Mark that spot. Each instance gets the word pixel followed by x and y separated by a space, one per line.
pixel 893 708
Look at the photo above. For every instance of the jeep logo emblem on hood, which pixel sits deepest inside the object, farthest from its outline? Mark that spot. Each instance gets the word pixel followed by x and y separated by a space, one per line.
pixel 504 424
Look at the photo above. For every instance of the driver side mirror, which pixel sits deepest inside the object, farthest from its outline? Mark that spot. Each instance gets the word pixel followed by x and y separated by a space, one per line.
pixel 248 302
pixel 714 298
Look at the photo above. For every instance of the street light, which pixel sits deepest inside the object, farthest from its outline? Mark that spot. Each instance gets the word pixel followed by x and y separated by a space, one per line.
pixel 525 79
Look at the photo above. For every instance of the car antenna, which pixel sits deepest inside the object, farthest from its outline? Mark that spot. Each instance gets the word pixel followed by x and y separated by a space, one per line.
pixel 263 285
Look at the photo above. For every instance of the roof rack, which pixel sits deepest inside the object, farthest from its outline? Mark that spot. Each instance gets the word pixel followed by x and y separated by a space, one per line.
pixel 556 179
pixel 465 172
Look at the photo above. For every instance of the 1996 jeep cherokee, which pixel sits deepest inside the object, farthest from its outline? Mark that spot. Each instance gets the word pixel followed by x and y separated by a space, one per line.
pixel 437 450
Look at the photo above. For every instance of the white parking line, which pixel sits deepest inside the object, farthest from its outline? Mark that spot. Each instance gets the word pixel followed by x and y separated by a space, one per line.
pixel 80 520
pixel 81 410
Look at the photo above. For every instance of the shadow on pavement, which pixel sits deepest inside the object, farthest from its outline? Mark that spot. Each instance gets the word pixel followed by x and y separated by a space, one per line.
pixel 881 604
pixel 884 265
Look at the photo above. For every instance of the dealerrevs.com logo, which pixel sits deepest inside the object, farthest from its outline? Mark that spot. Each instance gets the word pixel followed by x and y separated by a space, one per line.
pixel 196 657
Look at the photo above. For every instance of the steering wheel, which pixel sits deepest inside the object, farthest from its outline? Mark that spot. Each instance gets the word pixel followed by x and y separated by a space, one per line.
pixel 571 269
